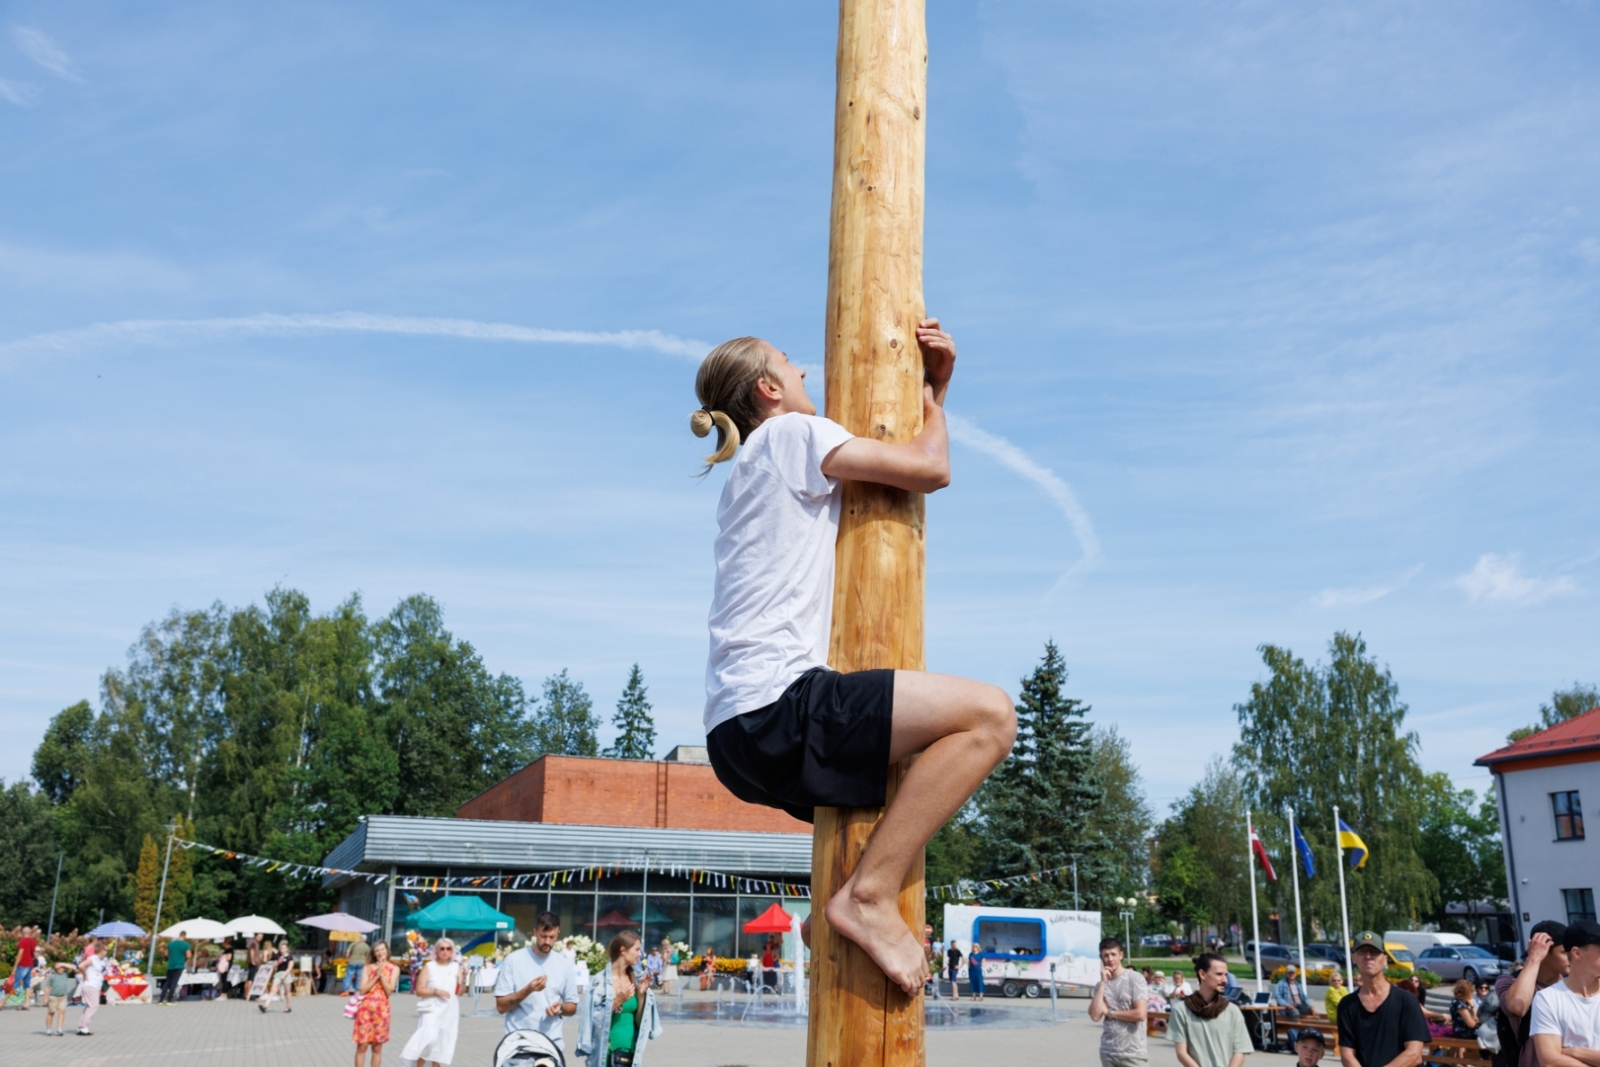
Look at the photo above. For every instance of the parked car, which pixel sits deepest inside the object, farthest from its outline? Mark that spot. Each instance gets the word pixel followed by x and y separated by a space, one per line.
pixel 1326 951
pixel 1400 956
pixel 1453 962
pixel 1274 956
pixel 1417 940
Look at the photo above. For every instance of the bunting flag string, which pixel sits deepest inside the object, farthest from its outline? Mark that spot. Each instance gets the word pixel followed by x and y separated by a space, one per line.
pixel 529 880
pixel 965 889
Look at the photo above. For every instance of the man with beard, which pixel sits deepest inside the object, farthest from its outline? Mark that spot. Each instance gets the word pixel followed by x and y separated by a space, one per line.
pixel 1207 1029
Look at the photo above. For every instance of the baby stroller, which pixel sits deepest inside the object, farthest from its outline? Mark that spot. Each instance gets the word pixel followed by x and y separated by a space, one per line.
pixel 527 1048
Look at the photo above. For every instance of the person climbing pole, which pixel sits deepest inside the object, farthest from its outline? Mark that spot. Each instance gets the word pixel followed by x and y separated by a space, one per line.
pixel 783 729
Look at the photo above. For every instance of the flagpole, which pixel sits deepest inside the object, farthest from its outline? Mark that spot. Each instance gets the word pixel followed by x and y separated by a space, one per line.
pixel 1344 907
pixel 1299 927
pixel 1255 909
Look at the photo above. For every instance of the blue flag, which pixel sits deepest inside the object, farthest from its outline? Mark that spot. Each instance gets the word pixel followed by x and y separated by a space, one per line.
pixel 1304 848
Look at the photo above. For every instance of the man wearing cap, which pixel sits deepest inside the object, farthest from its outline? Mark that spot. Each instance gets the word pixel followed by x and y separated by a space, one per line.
pixel 1378 1025
pixel 1545 965
pixel 1566 1015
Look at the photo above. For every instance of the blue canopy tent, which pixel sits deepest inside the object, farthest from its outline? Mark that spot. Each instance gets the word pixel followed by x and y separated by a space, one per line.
pixel 466 912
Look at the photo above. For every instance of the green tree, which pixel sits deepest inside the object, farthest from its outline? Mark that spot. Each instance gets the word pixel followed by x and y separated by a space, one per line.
pixel 455 728
pixel 1461 846
pixel 147 884
pixel 1316 737
pixel 58 761
pixel 1038 808
pixel 1564 704
pixel 565 724
pixel 636 730
pixel 1122 820
pixel 28 851
pixel 1200 873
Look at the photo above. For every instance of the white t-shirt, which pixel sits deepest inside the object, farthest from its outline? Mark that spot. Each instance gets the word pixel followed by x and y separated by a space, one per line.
pixel 94 970
pixel 1575 1020
pixel 522 967
pixel 772 605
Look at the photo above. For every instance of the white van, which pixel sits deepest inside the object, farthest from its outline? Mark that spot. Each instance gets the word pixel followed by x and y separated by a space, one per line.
pixel 1417 940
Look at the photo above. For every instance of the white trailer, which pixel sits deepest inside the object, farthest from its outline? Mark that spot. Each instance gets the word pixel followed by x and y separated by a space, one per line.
pixel 1016 946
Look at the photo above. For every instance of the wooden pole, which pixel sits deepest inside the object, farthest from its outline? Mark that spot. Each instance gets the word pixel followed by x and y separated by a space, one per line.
pixel 874 388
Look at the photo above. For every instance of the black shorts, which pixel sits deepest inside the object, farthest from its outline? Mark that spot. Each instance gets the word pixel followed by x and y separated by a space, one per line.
pixel 823 743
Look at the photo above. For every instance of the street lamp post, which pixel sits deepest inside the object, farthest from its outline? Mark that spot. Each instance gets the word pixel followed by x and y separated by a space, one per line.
pixel 1075 905
pixel 1126 914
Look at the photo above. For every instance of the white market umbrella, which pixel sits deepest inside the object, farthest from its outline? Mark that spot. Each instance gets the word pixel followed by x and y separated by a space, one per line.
pixel 339 922
pixel 206 929
pixel 254 924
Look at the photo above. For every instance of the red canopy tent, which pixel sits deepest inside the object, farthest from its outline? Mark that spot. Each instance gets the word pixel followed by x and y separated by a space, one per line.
pixel 614 918
pixel 772 921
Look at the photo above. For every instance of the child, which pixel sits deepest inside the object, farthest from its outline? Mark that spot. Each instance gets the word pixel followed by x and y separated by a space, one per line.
pixel 782 728
pixel 61 983
pixel 1309 1048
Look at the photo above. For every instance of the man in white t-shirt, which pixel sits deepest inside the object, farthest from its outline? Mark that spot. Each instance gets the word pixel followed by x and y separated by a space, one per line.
pixel 782 729
pixel 536 987
pixel 1566 1015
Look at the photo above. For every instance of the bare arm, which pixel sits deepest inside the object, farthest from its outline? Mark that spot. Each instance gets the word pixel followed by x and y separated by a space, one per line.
pixel 1189 1061
pixel 1548 1048
pixel 1139 1013
pixel 1347 1056
pixel 921 465
pixel 1518 999
pixel 1237 1061
pixel 510 1001
pixel 1589 1056
pixel 1097 1003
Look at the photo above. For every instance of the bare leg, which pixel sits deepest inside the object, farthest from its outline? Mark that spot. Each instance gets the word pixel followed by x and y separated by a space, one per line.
pixel 959 730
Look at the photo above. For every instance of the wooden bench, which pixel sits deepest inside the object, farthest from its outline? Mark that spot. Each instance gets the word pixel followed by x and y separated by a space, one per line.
pixel 1454 1051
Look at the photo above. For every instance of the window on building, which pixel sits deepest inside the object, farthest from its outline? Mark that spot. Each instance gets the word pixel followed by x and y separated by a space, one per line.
pixel 1569 816
pixel 1580 904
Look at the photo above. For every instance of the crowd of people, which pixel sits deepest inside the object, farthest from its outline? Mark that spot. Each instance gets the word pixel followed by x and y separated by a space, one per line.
pixel 1544 1013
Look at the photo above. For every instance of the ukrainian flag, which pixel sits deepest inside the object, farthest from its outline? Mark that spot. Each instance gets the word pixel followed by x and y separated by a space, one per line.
pixel 1351 840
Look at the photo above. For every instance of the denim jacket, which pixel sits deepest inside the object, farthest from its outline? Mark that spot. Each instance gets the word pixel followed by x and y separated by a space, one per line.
pixel 594 1022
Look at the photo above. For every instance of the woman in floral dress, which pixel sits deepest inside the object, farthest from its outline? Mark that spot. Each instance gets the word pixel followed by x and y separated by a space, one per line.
pixel 372 1017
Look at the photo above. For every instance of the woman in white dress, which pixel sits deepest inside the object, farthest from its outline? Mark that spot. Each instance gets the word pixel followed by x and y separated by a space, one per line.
pixel 439 983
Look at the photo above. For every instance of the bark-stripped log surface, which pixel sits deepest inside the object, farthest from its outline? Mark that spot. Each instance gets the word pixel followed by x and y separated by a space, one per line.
pixel 874 388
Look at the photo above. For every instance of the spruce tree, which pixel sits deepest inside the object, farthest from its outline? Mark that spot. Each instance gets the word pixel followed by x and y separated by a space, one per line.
pixel 1038 807
pixel 636 730
pixel 146 883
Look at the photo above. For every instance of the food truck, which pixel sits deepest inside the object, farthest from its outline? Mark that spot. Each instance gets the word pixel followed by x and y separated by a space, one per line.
pixel 1017 946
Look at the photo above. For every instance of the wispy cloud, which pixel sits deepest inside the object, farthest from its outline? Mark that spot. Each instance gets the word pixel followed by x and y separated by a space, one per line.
pixel 1499 580
pixel 38 47
pixel 1019 462
pixel 153 330
pixel 18 93
pixel 1354 596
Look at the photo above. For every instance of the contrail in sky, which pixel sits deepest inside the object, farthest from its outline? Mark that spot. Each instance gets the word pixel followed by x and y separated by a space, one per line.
pixel 102 333
pixel 154 330
pixel 1019 462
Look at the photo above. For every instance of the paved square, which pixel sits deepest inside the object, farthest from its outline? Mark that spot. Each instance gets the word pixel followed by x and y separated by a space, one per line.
pixel 316 1034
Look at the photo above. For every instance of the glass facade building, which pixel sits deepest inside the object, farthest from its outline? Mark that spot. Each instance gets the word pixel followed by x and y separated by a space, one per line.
pixel 662 888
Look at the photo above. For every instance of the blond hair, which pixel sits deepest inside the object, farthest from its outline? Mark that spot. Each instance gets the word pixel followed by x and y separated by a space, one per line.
pixel 726 386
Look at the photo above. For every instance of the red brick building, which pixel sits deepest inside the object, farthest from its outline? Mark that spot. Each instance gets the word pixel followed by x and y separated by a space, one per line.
pixel 680 792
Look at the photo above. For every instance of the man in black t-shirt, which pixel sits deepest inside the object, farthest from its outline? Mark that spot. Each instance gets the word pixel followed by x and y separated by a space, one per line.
pixel 1379 1025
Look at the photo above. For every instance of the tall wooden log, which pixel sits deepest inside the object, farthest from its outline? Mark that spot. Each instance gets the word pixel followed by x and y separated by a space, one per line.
pixel 874 388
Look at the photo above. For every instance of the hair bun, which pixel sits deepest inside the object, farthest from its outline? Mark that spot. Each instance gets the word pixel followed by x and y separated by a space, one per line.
pixel 701 422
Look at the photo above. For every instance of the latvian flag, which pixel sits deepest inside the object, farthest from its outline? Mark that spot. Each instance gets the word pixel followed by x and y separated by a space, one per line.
pixel 1261 854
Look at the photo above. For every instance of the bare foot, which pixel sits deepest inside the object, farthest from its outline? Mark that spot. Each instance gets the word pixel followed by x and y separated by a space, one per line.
pixel 883 935
pixel 805 931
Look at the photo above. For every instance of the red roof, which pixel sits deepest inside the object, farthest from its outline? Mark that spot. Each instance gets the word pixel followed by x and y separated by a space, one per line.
pixel 1577 734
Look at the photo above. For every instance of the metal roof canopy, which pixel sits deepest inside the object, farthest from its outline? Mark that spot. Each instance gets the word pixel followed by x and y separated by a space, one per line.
pixel 381 841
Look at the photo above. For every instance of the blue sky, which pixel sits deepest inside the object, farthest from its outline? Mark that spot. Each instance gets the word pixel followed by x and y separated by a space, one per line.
pixel 1273 321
